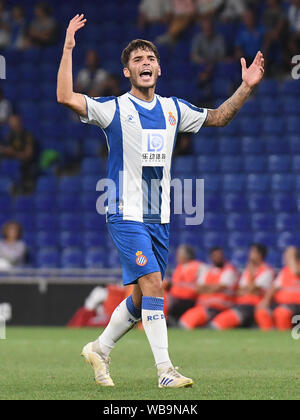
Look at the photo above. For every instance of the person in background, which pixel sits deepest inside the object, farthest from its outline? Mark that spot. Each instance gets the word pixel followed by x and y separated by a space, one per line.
pixel 18 28
pixel 216 288
pixel 255 281
pixel 275 40
pixel 282 301
pixel 183 12
pixel 12 247
pixel 4 25
pixel 233 10
pixel 153 11
pixel 294 22
pixel 250 37
pixel 208 8
pixel 92 78
pixel 21 145
pixel 5 108
pixel 183 291
pixel 43 30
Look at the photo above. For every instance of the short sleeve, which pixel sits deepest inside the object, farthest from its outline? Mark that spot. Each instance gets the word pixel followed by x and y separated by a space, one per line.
pixel 202 273
pixel 191 117
pixel 100 111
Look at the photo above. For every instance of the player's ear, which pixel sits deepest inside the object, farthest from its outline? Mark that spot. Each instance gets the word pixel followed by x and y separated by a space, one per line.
pixel 126 72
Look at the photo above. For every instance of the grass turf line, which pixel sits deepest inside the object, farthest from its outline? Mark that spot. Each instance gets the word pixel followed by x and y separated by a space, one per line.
pixel 45 363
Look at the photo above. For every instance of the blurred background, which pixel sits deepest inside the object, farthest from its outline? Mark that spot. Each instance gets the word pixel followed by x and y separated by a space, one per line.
pixel 54 246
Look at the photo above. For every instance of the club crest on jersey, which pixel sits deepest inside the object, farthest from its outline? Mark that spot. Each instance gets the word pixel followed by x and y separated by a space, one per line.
pixel 141 260
pixel 172 119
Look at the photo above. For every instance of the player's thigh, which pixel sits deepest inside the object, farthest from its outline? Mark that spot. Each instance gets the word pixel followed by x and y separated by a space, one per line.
pixel 134 245
pixel 160 244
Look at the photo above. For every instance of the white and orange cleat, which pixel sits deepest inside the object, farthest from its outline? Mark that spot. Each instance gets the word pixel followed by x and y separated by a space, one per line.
pixel 99 363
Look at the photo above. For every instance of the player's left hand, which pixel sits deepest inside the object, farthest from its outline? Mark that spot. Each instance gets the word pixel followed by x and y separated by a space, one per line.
pixel 253 74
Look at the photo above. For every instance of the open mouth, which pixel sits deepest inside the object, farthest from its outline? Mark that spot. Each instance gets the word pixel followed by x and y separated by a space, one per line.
pixel 146 75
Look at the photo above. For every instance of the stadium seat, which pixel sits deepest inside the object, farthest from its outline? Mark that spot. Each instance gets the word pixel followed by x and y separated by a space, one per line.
pixel 72 257
pixel 269 239
pixel 204 146
pixel 214 222
pixel 213 239
pixel 10 168
pixel 212 202
pixel 239 257
pixel 263 222
pixel 70 184
pixel 279 163
pixel 95 257
pixel 290 105
pixel 93 221
pixel 274 258
pixel 268 87
pixel 252 145
pixel 272 125
pixel 288 222
pixel 44 201
pixel 46 238
pixel 234 183
pixel 234 202
pixel 255 164
pixel 26 220
pixel 240 222
pixel 284 202
pixel 70 239
pixel 275 145
pixel 24 204
pixel 259 202
pixel 292 124
pixel 93 165
pixel 286 239
pixel 229 146
pixel 212 183
pixel 231 164
pixel 68 202
pixel 47 257
pixel 282 182
pixel 269 106
pixel 89 182
pixel 91 239
pixel 5 203
pixel 240 239
pixel 249 126
pixel 70 221
pixel 290 88
pixel 207 164
pixel 46 221
pixel 46 184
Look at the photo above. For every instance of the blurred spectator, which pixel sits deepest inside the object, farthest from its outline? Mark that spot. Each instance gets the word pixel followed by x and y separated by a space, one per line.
pixel 207 8
pixel 112 86
pixel 183 145
pixel 208 48
pixel 255 281
pixel 233 10
pixel 21 145
pixel 153 11
pixel 18 27
pixel 43 30
pixel 216 288
pixel 4 25
pixel 12 248
pixel 92 78
pixel 183 292
pixel 182 15
pixel 5 108
pixel 274 21
pixel 282 301
pixel 250 37
pixel 294 20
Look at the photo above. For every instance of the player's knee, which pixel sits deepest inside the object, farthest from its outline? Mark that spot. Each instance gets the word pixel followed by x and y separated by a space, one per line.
pixel 151 285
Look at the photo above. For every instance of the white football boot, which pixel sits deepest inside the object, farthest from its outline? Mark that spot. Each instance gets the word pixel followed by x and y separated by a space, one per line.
pixel 170 378
pixel 100 365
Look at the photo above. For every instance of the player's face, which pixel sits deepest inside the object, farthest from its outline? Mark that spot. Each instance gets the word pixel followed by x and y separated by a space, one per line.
pixel 143 69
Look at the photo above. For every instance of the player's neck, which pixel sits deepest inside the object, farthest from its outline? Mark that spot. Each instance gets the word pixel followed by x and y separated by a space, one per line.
pixel 146 94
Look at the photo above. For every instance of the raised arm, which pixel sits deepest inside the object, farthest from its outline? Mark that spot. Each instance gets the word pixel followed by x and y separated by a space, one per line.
pixel 65 94
pixel 227 111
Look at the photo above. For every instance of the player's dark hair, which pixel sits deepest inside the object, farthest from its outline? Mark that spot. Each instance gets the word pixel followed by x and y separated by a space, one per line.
pixel 190 252
pixel 215 248
pixel 137 44
pixel 261 249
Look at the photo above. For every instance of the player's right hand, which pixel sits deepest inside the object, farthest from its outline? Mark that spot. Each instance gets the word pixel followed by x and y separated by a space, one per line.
pixel 75 24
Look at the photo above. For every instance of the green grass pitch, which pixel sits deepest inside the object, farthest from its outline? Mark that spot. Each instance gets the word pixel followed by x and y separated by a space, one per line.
pixel 44 363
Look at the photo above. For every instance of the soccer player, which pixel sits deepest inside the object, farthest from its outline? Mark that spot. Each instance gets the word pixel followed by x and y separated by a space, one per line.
pixel 141 129
pixel 282 300
pixel 216 288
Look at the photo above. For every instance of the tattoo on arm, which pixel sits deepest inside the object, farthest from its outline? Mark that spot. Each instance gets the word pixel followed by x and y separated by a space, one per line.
pixel 227 111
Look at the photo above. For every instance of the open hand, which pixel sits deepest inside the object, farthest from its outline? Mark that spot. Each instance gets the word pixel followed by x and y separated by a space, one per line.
pixel 253 74
pixel 75 24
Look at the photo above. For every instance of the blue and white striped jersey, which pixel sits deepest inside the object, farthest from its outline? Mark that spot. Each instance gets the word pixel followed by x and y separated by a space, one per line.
pixel 141 138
